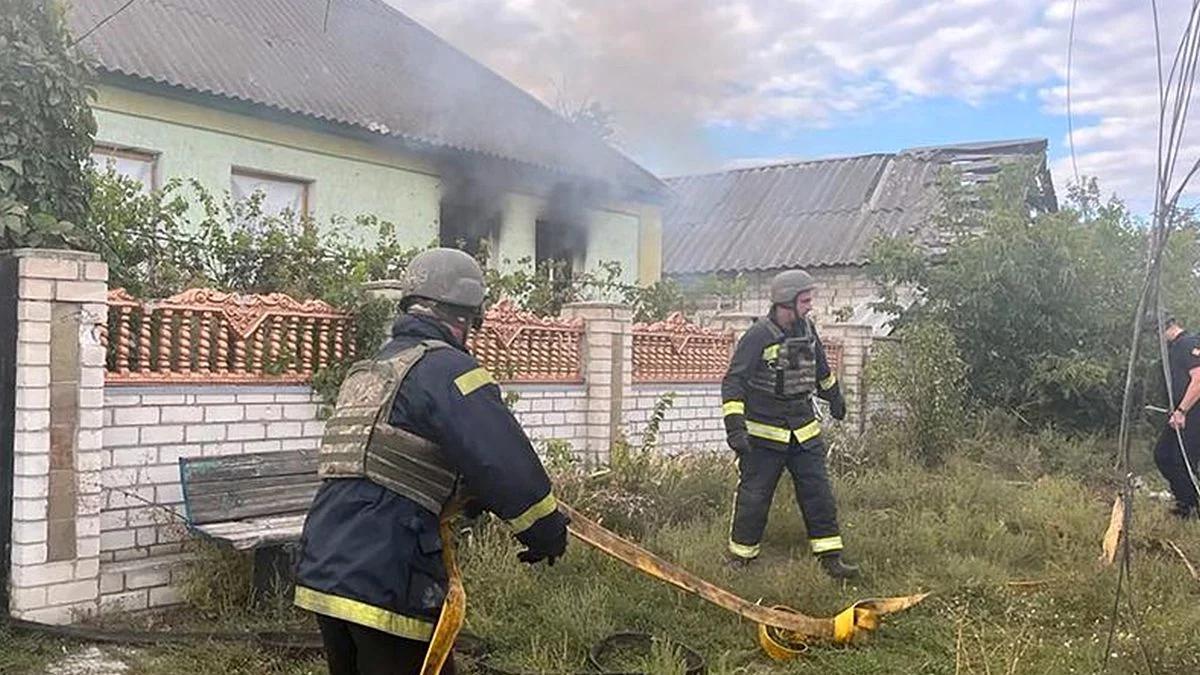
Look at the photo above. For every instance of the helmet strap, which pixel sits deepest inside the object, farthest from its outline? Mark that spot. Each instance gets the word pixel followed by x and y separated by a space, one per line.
pixel 460 320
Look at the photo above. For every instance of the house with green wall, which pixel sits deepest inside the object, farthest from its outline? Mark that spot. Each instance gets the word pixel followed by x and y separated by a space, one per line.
pixel 349 107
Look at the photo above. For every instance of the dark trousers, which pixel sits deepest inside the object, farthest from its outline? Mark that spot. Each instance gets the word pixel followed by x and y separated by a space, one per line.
pixel 1170 462
pixel 760 469
pixel 351 649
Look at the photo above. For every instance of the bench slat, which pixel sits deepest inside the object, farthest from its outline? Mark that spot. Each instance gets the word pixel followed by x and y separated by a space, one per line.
pixel 236 467
pixel 241 501
pixel 235 487
pixel 247 534
pixel 238 484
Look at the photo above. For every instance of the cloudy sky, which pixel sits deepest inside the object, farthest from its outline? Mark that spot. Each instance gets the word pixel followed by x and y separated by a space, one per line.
pixel 704 85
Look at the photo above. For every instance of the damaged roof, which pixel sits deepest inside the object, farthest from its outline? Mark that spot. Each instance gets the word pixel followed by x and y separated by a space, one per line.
pixel 358 63
pixel 819 213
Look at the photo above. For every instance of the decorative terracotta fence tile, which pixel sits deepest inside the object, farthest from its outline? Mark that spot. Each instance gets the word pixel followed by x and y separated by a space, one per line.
pixel 676 350
pixel 207 336
pixel 518 346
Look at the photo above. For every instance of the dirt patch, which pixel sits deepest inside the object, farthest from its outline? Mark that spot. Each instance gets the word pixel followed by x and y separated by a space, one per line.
pixel 88 661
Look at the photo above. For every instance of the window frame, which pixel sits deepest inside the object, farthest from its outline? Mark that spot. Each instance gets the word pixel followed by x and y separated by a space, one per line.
pixel 306 183
pixel 119 151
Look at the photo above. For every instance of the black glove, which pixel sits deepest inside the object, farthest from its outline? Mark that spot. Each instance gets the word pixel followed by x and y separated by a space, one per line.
pixel 546 539
pixel 738 440
pixel 837 408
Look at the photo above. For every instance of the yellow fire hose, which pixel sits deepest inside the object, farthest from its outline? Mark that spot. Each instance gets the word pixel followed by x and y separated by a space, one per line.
pixel 783 633
pixel 454 608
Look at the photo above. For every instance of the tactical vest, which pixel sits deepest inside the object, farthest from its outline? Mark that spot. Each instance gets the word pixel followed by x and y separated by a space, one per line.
pixel 789 367
pixel 359 442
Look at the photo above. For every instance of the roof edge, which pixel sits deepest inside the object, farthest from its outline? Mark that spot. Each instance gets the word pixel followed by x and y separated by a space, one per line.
pixel 404 142
pixel 777 165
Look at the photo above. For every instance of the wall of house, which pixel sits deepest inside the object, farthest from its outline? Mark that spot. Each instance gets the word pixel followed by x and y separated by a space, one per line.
pixel 348 177
pixel 627 234
pixel 841 293
pixel 650 244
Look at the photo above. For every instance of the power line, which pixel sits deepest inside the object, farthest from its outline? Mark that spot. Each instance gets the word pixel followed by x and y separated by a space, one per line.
pixel 1174 93
pixel 103 21
pixel 1070 120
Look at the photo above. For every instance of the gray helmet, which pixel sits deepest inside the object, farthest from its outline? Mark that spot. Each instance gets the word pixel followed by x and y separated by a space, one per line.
pixel 785 286
pixel 446 276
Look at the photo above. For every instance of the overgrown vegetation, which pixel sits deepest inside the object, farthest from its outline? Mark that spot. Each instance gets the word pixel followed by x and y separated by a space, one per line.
pixel 1040 308
pixel 1005 532
pixel 924 376
pixel 46 127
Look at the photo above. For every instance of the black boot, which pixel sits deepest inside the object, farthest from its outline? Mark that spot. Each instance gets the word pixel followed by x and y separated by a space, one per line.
pixel 737 562
pixel 837 568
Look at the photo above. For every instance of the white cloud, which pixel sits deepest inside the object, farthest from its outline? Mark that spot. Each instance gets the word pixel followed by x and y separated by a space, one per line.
pixel 670 68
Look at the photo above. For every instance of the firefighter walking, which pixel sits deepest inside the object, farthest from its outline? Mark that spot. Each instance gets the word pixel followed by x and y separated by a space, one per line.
pixel 771 423
pixel 1177 453
pixel 413 430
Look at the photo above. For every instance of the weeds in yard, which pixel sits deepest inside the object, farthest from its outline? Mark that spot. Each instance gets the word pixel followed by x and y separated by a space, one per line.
pixel 27 654
pixel 1013 563
pixel 1006 533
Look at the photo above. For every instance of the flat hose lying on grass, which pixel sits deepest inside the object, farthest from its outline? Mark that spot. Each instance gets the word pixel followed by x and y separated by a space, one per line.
pixel 782 632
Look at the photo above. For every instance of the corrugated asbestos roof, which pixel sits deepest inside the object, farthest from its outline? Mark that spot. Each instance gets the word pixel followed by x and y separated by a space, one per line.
pixel 814 214
pixel 372 68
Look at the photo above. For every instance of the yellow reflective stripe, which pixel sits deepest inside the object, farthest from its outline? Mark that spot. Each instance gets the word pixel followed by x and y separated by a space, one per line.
pixel 543 508
pixel 771 353
pixel 734 408
pixel 760 430
pixel 826 544
pixel 782 435
pixel 472 380
pixel 828 382
pixel 743 551
pixel 810 430
pixel 363 614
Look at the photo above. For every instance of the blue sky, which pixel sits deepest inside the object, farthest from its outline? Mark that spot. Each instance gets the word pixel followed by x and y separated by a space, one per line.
pixel 701 85
pixel 916 123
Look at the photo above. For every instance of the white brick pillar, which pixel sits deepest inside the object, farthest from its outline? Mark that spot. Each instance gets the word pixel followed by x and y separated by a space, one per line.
pixel 57 433
pixel 608 366
pixel 736 322
pixel 856 345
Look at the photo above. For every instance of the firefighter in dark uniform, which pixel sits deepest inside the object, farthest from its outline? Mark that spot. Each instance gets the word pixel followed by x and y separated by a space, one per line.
pixel 1179 465
pixel 419 424
pixel 771 423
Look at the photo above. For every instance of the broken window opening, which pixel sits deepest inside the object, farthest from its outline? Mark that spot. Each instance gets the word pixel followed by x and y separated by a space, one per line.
pixel 559 250
pixel 468 227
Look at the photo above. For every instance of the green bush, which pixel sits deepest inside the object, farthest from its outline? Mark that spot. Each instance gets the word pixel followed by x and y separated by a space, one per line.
pixel 46 127
pixel 924 375
pixel 1041 308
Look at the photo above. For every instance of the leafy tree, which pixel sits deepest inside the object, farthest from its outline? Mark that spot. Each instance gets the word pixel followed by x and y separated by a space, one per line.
pixel 46 127
pixel 1040 306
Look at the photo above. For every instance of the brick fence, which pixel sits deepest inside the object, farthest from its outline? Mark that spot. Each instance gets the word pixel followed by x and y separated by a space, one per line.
pixel 109 392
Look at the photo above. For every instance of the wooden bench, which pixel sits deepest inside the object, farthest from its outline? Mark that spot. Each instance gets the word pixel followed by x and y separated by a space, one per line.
pixel 252 502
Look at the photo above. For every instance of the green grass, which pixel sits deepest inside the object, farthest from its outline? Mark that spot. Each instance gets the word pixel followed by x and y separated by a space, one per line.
pixel 1006 537
pixel 962 532
pixel 22 653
